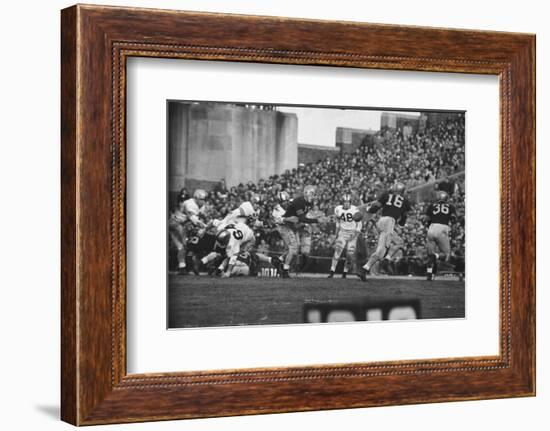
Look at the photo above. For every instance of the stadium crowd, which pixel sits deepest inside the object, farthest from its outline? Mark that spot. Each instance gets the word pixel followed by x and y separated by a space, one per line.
pixel 416 159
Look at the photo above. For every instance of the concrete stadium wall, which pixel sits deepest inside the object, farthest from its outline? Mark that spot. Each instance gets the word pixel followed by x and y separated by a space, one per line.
pixel 177 144
pixel 208 142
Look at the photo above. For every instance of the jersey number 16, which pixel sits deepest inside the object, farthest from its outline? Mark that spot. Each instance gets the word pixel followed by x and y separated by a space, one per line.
pixel 395 200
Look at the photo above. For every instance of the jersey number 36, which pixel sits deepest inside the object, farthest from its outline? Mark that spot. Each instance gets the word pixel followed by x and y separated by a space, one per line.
pixel 440 208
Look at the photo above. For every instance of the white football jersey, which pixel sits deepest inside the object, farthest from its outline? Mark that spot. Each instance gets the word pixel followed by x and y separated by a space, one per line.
pixel 190 207
pixel 238 215
pixel 278 213
pixel 246 209
pixel 240 234
pixel 345 218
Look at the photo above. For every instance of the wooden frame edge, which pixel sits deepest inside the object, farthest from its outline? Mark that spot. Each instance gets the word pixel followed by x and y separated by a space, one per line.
pixel 69 305
pixel 79 408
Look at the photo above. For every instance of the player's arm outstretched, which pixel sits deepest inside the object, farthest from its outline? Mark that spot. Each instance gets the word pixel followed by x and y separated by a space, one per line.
pixel 369 209
pixel 378 204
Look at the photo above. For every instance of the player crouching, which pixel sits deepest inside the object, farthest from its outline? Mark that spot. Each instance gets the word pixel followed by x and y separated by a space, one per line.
pixel 247 213
pixel 439 215
pixel 348 227
pixel 233 249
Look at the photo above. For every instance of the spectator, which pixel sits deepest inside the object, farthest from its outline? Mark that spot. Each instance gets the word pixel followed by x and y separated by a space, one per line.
pixel 417 159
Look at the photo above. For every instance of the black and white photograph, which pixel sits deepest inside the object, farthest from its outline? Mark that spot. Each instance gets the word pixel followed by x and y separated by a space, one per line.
pixel 289 214
pixel 270 215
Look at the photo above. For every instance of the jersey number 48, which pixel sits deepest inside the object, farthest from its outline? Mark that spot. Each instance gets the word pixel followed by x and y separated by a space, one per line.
pixel 346 217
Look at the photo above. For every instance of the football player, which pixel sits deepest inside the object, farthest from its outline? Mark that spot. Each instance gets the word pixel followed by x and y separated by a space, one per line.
pixel 248 262
pixel 278 218
pixel 244 213
pixel 395 207
pixel 237 240
pixel 347 231
pixel 295 237
pixel 184 220
pixel 217 253
pixel 439 215
pixel 245 264
pixel 283 199
pixel 200 245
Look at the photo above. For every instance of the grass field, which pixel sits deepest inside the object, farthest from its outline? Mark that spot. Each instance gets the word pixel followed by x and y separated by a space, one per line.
pixel 204 301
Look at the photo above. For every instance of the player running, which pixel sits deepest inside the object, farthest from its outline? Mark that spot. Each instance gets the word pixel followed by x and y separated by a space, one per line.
pixel 278 218
pixel 439 215
pixel 348 227
pixel 182 222
pixel 394 206
pixel 295 237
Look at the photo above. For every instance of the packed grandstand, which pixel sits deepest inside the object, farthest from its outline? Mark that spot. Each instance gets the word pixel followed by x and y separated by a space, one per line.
pixel 424 161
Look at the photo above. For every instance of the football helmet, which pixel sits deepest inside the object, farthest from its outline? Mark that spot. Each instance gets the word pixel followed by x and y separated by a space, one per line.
pixel 283 197
pixel 256 201
pixel 199 196
pixel 398 188
pixel 309 193
pixel 222 238
pixel 346 199
pixel 442 196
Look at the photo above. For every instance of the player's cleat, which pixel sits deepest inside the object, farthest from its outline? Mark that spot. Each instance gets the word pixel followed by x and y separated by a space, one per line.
pixel 277 263
pixel 304 261
pixel 285 274
pixel 331 274
pixel 183 271
pixel 210 270
pixel 196 265
pixel 433 261
pixel 344 275
pixel 430 276
pixel 363 274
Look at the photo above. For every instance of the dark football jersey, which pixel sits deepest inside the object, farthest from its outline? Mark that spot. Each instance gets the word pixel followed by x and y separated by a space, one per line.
pixel 298 207
pixel 203 245
pixel 440 212
pixel 244 257
pixel 251 260
pixel 393 205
